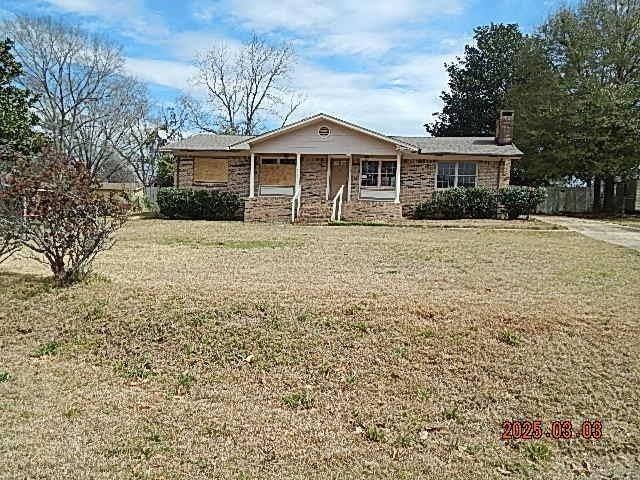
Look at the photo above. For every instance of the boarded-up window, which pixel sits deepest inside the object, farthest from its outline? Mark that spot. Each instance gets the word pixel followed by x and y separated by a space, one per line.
pixel 279 172
pixel 211 170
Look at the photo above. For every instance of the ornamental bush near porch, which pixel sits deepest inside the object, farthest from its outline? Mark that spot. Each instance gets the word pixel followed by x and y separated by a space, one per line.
pixel 481 202
pixel 518 201
pixel 456 203
pixel 188 204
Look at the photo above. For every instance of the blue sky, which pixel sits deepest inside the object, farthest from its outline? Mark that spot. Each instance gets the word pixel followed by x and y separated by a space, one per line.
pixel 376 63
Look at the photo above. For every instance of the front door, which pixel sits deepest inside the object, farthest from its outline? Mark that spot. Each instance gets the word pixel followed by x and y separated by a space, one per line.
pixel 339 177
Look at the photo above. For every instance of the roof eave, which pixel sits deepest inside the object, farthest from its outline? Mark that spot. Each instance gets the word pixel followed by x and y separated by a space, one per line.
pixel 306 121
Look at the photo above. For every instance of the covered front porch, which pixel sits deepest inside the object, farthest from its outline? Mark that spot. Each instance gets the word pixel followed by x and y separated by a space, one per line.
pixel 322 187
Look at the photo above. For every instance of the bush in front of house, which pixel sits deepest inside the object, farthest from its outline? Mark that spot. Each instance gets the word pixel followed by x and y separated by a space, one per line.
pixel 521 201
pixel 481 202
pixel 446 204
pixel 188 204
pixel 456 203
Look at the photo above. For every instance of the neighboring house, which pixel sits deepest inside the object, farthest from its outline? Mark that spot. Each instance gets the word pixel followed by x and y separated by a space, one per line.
pixel 304 170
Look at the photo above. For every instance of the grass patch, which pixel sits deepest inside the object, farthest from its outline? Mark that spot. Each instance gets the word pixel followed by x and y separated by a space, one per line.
pixel 231 244
pixel 451 413
pixel 488 224
pixel 361 326
pixel 135 368
pixel 537 452
pixel 510 338
pixel 4 376
pixel 185 382
pixel 47 349
pixel 308 363
pixel 374 434
pixel 298 400
pixel 71 413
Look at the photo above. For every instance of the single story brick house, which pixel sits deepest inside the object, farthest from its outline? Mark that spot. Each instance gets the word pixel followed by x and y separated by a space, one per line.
pixel 323 168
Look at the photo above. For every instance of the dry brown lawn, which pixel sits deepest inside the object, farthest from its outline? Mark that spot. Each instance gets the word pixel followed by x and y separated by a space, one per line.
pixel 228 350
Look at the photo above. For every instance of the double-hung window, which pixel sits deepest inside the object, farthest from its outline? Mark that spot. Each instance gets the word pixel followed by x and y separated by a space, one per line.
pixel 378 179
pixel 456 174
pixel 378 174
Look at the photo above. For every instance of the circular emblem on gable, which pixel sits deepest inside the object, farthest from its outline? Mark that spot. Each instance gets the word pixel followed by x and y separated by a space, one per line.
pixel 324 131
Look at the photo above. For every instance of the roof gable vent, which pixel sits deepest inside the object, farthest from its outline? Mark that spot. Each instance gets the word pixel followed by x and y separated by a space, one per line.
pixel 324 132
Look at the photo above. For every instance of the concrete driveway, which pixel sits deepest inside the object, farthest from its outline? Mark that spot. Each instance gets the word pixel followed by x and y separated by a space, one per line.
pixel 600 230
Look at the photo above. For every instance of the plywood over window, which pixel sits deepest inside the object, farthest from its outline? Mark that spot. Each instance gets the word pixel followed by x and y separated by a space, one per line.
pixel 280 175
pixel 211 170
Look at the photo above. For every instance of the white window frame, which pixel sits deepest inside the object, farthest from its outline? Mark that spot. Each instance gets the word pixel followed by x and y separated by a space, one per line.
pixel 276 190
pixel 378 192
pixel 455 178
pixel 379 174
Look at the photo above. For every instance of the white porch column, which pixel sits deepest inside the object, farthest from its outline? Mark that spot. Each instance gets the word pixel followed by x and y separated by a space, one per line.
pixel 252 176
pixel 398 157
pixel 298 158
pixel 350 160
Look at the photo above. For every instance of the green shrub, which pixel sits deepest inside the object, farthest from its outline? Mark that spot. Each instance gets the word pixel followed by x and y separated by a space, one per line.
pixel 183 203
pixel 481 202
pixel 456 203
pixel 518 201
pixel 449 204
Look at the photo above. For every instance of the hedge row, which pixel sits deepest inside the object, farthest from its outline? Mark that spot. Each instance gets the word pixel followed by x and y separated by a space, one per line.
pixel 182 203
pixel 480 202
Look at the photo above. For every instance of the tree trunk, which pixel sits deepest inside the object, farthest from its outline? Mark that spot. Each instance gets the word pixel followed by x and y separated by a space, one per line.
pixel 609 204
pixel 597 197
pixel 58 270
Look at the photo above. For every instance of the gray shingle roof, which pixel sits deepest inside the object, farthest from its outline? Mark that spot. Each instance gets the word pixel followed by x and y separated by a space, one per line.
pixel 209 141
pixel 461 146
pixel 426 145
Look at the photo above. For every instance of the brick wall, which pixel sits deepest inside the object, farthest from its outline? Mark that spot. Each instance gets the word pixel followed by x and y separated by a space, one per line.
pixel 488 174
pixel 417 182
pixel 313 178
pixel 417 177
pixel 371 211
pixel 505 175
pixel 239 170
pixel 267 209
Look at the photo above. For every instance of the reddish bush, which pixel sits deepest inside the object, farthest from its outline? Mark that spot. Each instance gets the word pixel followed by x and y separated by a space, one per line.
pixel 55 210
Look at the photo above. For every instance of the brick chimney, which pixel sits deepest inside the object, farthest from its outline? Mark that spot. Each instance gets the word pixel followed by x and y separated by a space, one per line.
pixel 504 127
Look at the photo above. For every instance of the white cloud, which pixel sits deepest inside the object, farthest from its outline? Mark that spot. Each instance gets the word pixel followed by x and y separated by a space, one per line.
pixel 296 15
pixel 97 7
pixel 162 72
pixel 390 87
pixel 343 27
pixel 397 99
pixel 187 45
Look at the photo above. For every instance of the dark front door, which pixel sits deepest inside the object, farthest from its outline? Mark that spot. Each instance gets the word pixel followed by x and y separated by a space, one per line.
pixel 339 177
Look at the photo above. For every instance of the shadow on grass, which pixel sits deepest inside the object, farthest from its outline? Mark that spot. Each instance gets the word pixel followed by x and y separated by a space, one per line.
pixel 24 285
pixel 530 225
pixel 158 216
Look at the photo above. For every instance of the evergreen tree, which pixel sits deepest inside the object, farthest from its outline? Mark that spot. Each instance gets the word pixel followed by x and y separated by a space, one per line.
pixel 478 83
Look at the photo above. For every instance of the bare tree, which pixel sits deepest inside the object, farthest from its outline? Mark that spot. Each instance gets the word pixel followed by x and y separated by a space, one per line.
pixel 85 101
pixel 140 146
pixel 244 87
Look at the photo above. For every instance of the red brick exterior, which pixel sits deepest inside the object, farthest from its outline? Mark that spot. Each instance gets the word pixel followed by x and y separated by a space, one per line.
pixel 417 183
